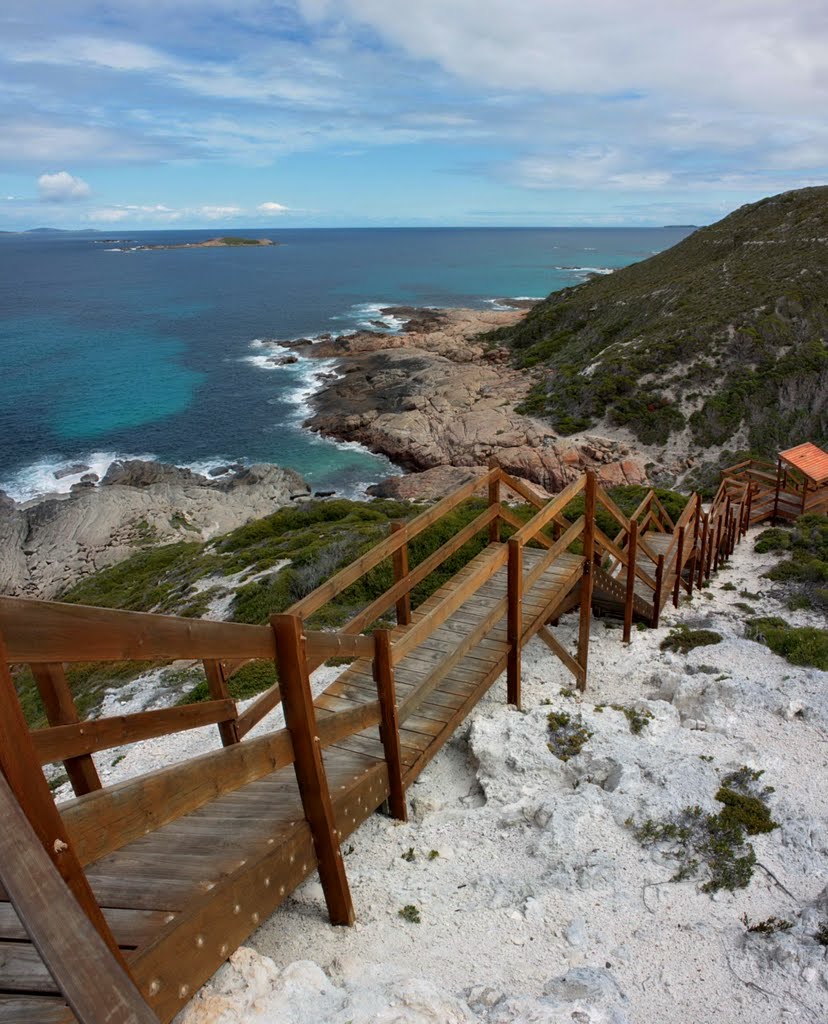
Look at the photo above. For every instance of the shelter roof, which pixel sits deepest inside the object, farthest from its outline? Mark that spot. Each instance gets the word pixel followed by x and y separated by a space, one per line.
pixel 809 460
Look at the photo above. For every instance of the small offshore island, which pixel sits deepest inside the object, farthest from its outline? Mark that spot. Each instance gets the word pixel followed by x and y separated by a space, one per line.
pixel 214 243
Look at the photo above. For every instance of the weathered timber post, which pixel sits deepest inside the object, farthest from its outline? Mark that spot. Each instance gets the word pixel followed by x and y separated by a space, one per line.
pixel 59 705
pixel 586 582
pixel 629 597
pixel 679 558
pixel 514 620
pixel 389 726
pixel 703 550
pixel 20 765
pixel 217 685
pixel 658 590
pixel 400 559
pixel 300 719
pixel 494 499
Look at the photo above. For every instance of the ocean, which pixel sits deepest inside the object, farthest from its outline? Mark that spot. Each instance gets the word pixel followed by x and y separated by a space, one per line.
pixel 107 352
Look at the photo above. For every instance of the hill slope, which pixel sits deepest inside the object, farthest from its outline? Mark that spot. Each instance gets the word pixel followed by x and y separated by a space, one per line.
pixel 722 337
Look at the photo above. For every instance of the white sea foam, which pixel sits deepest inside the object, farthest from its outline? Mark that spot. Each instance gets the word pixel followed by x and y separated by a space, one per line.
pixel 38 479
pixel 369 317
pixel 583 271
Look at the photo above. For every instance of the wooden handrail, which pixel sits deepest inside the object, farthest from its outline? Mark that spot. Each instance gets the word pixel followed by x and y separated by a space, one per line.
pixel 416 575
pixel 60 742
pixel 623 557
pixel 351 573
pixel 51 631
pixel 569 536
pixel 550 510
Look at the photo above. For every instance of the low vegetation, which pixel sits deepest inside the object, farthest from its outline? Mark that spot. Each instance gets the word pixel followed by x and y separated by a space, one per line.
pixel 682 639
pixel 714 847
pixel 567 734
pixel 805 569
pixel 800 645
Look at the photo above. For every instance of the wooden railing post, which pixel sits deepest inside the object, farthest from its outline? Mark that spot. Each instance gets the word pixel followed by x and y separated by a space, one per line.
pixel 494 499
pixel 658 590
pixel 514 620
pixel 629 597
pixel 586 582
pixel 300 719
pixel 22 771
pixel 390 726
pixel 60 710
pixel 703 551
pixel 400 559
pixel 679 558
pixel 217 685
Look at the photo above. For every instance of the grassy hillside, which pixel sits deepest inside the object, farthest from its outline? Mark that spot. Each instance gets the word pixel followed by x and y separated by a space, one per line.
pixel 724 333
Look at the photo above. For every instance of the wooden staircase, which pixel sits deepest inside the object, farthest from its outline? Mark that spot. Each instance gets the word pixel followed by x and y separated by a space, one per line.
pixel 174 869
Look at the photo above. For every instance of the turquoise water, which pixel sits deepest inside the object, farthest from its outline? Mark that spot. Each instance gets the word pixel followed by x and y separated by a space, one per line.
pixel 109 352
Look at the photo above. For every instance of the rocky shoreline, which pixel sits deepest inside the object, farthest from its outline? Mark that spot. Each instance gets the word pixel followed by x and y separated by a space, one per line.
pixel 48 545
pixel 436 400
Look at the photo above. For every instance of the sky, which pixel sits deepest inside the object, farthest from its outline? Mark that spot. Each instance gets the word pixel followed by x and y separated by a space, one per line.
pixel 318 113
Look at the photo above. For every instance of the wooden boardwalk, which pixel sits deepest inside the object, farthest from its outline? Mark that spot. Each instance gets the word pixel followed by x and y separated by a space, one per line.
pixel 175 869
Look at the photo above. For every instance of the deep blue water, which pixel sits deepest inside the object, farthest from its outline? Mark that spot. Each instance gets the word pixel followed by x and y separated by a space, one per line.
pixel 107 353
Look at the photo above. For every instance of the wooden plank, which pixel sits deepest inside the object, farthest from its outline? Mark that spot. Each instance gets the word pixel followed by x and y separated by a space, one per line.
pixel 93 981
pixel 48 631
pixel 59 704
pixel 32 1010
pixel 450 603
pixel 217 685
pixel 131 928
pixel 22 970
pixel 561 652
pixel 102 822
pixel 344 723
pixel 390 728
pixel 310 770
pixel 70 741
pixel 400 561
pixel 351 573
pixel 514 616
pixel 468 643
pixel 260 707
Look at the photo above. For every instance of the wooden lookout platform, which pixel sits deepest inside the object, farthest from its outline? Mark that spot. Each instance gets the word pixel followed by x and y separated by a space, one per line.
pixel 118 904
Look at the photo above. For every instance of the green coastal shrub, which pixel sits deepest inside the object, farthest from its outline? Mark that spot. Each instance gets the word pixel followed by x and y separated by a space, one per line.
pixel 714 847
pixel 800 645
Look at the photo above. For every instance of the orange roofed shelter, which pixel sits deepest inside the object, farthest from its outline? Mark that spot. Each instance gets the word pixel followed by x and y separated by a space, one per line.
pixel 802 473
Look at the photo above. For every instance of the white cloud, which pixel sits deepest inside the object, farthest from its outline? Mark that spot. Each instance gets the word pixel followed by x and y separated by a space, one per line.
pixel 271 208
pixel 62 187
pixel 217 212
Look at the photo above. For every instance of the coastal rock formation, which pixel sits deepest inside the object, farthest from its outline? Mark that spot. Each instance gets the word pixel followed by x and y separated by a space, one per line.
pixel 436 483
pixel 438 396
pixel 46 547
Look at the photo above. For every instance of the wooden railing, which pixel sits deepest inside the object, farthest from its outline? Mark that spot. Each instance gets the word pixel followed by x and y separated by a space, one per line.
pixel 48 635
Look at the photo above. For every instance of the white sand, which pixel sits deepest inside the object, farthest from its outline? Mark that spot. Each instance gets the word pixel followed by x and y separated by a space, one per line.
pixel 541 906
